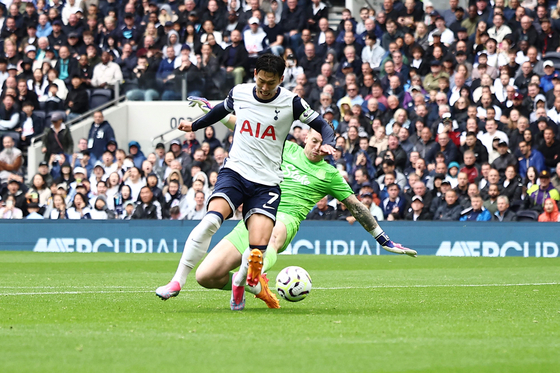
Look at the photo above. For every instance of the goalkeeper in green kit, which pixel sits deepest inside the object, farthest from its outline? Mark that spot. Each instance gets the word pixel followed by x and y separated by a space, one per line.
pixel 307 179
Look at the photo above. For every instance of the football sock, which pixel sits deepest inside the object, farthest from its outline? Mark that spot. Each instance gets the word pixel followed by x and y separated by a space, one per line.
pixel 269 259
pixel 381 237
pixel 254 289
pixel 251 289
pixel 197 245
pixel 241 277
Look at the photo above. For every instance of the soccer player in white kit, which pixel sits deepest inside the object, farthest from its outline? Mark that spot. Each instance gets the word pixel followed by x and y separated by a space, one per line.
pixel 252 173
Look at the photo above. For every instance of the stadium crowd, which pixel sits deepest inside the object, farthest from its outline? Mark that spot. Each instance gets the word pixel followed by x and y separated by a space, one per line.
pixel 441 115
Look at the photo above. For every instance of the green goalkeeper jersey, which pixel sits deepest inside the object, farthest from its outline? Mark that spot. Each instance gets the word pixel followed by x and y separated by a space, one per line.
pixel 305 182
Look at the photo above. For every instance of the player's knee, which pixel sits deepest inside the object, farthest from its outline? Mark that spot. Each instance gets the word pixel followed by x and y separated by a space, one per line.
pixel 203 277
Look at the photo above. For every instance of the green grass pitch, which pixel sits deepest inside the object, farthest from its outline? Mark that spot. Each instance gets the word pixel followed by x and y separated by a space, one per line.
pixel 98 313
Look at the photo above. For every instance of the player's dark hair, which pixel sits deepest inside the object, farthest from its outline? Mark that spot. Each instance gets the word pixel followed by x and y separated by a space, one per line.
pixel 271 63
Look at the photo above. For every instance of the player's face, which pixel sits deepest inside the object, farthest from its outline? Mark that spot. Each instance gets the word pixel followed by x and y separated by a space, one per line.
pixel 267 84
pixel 313 143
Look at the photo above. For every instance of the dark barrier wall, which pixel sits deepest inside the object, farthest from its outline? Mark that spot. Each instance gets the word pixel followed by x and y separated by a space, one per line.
pixel 330 238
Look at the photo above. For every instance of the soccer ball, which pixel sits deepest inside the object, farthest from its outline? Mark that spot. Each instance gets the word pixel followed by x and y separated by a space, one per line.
pixel 293 283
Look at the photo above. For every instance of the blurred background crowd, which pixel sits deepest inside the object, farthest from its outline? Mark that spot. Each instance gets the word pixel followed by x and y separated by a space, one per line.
pixel 448 114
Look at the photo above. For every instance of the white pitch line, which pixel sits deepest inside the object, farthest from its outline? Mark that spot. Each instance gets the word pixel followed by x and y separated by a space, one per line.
pixel 435 286
pixel 316 288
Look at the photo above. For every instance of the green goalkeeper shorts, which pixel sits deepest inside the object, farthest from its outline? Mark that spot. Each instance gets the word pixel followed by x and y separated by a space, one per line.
pixel 239 236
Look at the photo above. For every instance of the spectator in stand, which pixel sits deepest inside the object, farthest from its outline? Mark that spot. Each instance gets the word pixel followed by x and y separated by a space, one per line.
pixel 235 58
pixel 100 211
pixel 147 207
pixel 15 191
pixel 445 147
pixel 135 151
pixel 25 94
pixel 504 213
pixel 491 200
pixel 431 81
pixel 394 203
pixel 476 212
pixel 174 197
pixel 512 186
pixel 39 190
pixel 134 179
pixel 66 65
pixel 79 209
pixel 33 208
pixel 52 102
pixel 146 78
pixel 450 209
pixel 166 66
pixel 58 138
pixel 100 133
pixel 9 209
pixel 366 197
pixel 9 116
pixel 530 158
pixel 11 160
pixel 293 21
pixel 550 213
pixel 77 101
pixel 185 70
pixel 107 73
pixel 198 210
pixel 255 40
pixel 322 211
pixel 58 210
pixel 550 149
pixel 469 166
pixel 505 158
pixel 539 193
pixel 416 212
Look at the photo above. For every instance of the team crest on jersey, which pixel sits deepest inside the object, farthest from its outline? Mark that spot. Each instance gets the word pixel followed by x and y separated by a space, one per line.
pixel 321 174
pixel 276 111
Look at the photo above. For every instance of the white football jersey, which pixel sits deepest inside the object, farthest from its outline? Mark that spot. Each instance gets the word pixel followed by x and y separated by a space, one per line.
pixel 260 131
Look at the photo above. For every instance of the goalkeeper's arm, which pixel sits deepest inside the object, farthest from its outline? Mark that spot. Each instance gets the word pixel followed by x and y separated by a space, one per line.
pixel 366 219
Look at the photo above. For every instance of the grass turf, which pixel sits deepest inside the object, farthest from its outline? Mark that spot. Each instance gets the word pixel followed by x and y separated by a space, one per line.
pixel 98 313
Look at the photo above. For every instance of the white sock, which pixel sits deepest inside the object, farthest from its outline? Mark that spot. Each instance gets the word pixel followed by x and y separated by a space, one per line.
pixel 241 278
pixel 254 289
pixel 196 246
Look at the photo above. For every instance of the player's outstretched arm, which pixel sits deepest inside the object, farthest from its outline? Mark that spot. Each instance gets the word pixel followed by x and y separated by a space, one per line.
pixel 205 105
pixel 366 219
